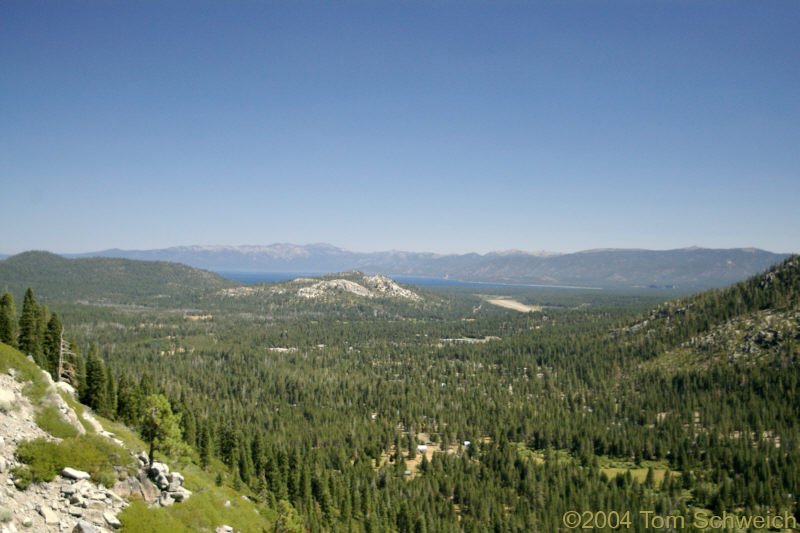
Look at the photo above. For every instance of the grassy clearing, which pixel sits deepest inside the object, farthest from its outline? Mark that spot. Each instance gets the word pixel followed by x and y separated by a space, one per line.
pixel 617 467
pixel 543 456
pixel 611 467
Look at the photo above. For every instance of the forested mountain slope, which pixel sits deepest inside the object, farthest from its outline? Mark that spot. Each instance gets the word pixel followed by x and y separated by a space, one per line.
pixel 750 319
pixel 100 279
pixel 386 413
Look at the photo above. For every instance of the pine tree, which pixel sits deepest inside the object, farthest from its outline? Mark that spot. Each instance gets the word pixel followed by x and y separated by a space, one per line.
pixel 111 394
pixel 8 320
pixel 51 346
pixel 129 401
pixel 28 328
pixel 160 427
pixel 205 445
pixel 41 328
pixel 188 425
pixel 96 388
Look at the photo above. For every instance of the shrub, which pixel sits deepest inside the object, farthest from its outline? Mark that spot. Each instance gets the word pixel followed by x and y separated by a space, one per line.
pixel 92 453
pixel 22 477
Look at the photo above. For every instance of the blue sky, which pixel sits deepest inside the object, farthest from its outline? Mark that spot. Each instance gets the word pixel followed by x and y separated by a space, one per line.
pixel 427 126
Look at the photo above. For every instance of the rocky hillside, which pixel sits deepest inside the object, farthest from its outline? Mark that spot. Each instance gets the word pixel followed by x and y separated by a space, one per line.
pixel 367 287
pixel 61 470
pixel 72 501
pixel 328 287
pixel 757 320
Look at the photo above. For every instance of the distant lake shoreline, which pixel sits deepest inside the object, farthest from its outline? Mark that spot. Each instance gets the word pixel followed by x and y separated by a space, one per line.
pixel 423 281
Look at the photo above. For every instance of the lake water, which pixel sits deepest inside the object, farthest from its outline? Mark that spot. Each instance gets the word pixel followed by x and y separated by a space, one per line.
pixel 273 277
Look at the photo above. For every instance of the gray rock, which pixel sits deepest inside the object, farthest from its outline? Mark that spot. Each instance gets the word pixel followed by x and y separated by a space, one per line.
pixel 162 481
pixel 71 473
pixel 181 494
pixel 146 488
pixel 224 529
pixel 116 500
pixel 84 527
pixel 159 468
pixel 50 516
pixel 111 520
pixel 165 500
pixel 69 490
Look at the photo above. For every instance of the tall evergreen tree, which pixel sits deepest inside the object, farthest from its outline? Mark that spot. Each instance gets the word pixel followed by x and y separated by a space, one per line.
pixel 160 427
pixel 28 328
pixel 79 366
pixel 96 388
pixel 129 401
pixel 42 318
pixel 111 394
pixel 51 346
pixel 205 445
pixel 8 320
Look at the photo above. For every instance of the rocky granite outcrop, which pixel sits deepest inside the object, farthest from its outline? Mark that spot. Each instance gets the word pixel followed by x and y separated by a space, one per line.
pixel 153 483
pixel 63 504
pixel 373 286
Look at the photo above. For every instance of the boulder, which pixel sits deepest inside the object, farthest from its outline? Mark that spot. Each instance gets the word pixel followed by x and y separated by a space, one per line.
pixel 146 488
pixel 162 481
pixel 71 473
pixel 69 490
pixel 181 494
pixel 157 469
pixel 50 516
pixel 111 520
pixel 84 527
pixel 165 500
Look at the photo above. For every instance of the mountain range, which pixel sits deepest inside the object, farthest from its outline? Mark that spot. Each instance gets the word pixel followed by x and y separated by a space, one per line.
pixel 685 268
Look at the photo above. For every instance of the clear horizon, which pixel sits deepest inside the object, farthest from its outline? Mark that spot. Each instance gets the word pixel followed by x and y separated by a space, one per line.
pixel 480 252
pixel 446 127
